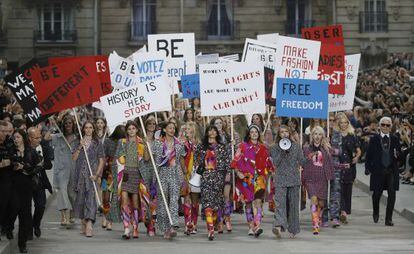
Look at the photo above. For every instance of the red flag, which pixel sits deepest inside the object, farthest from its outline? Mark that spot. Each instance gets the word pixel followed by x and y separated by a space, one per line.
pixel 102 67
pixel 67 84
pixel 332 56
pixel 332 67
pixel 324 34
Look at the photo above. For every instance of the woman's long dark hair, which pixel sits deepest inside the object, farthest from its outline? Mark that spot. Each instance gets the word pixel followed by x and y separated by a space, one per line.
pixel 247 136
pixel 94 133
pixel 133 123
pixel 261 125
pixel 118 133
pixel 185 115
pixel 62 125
pixel 164 125
pixel 24 135
pixel 205 139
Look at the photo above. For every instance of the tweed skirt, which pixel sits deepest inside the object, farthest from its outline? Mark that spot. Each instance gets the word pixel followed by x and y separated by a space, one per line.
pixel 130 181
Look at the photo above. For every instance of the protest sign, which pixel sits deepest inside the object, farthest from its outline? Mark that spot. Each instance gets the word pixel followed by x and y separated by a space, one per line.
pixel 296 58
pixel 325 34
pixel 346 102
pixel 123 71
pixel 102 68
pixel 190 86
pixel 179 49
pixel 206 59
pixel 302 98
pixel 269 85
pixel 149 66
pixel 257 51
pixel 229 58
pixel 332 67
pixel 129 103
pixel 66 85
pixel 21 85
pixel 232 89
pixel 270 38
pixel 261 52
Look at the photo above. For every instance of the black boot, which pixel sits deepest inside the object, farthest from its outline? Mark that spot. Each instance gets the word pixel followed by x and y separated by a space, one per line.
pixel 23 248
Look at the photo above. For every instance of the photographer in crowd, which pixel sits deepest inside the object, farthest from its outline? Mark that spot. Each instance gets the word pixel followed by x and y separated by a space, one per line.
pixel 41 181
pixel 6 170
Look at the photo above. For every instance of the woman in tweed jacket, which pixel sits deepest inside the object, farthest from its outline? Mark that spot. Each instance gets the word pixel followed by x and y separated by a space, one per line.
pixel 317 172
pixel 287 184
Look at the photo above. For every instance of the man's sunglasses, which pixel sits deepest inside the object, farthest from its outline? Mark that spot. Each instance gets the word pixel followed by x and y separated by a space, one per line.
pixel 385 125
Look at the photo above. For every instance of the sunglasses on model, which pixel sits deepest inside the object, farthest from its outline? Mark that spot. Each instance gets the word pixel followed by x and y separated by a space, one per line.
pixel 385 125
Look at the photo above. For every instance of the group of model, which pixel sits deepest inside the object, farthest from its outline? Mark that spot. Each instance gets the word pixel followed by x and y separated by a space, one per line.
pixel 263 171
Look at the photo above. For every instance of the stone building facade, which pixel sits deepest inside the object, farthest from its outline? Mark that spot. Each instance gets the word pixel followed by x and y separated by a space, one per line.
pixel 36 28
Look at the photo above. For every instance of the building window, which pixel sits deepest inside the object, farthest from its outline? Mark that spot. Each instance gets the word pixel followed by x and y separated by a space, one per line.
pixel 220 19
pixel 299 15
pixel 374 18
pixel 143 18
pixel 56 23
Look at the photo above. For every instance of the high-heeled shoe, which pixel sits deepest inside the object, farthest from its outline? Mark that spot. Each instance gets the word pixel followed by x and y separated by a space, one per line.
pixel 109 226
pixel 63 219
pixel 88 231
pixel 127 234
pixel 83 227
pixel 104 222
pixel 211 235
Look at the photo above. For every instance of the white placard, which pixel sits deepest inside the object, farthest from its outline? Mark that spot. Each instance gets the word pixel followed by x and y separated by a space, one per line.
pixel 122 71
pixel 296 58
pixel 259 52
pixel 179 49
pixel 232 89
pixel 270 38
pixel 139 100
pixel 229 58
pixel 344 102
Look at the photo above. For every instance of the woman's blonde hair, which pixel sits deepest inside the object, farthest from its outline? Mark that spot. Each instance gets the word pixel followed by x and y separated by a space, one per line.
pixel 196 132
pixel 325 142
pixel 342 116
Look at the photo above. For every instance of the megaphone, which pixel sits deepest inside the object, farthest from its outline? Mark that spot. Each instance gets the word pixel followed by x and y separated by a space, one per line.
pixel 195 180
pixel 285 144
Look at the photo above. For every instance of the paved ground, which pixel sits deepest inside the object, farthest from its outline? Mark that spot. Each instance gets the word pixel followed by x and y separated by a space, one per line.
pixel 360 236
